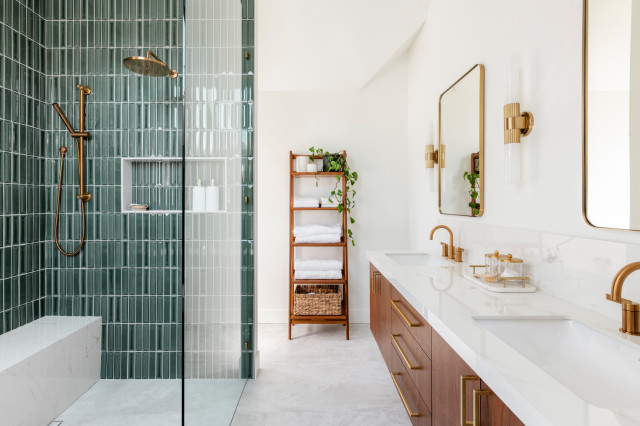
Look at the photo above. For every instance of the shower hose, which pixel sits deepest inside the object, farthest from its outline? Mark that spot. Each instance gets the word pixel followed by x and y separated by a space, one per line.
pixel 63 152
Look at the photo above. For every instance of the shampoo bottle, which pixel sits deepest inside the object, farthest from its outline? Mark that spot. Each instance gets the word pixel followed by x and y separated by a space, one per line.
pixel 213 197
pixel 199 196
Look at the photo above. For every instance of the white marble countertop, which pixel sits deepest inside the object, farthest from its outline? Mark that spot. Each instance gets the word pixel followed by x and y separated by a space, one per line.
pixel 450 302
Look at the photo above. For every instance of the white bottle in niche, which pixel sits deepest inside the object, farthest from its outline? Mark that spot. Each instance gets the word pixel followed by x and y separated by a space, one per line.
pixel 213 197
pixel 199 197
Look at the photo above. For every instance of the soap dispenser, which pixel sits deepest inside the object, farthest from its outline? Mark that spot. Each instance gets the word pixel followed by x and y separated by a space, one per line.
pixel 213 197
pixel 199 196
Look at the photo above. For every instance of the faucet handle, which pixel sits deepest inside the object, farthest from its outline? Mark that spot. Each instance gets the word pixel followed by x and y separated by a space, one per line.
pixel 459 251
pixel 445 249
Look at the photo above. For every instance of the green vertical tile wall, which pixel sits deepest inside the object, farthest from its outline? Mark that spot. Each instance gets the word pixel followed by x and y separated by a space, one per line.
pixel 129 271
pixel 247 272
pixel 22 82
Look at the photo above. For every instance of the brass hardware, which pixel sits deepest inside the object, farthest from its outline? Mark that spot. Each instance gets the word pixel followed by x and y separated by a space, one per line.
pixel 459 251
pixel 630 309
pixel 452 248
pixel 441 154
pixel 403 315
pixel 442 146
pixel 516 124
pixel 246 55
pixel 404 356
pixel 374 275
pixel 505 279
pixel 148 66
pixel 477 393
pixel 476 266
pixel 246 200
pixel 463 399
pixel 509 259
pixel 246 345
pixel 83 196
pixel 430 156
pixel 445 249
pixel 404 400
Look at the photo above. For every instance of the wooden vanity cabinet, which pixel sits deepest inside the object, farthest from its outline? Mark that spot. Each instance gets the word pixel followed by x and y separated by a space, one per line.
pixel 380 320
pixel 435 388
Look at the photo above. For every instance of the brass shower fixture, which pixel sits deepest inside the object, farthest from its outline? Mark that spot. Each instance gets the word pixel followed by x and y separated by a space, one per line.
pixel 79 137
pixel 149 66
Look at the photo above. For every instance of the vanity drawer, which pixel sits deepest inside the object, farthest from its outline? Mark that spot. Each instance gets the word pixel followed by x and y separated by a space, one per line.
pixel 417 326
pixel 413 404
pixel 416 362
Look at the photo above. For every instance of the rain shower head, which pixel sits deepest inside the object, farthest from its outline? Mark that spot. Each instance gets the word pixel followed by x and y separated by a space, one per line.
pixel 146 65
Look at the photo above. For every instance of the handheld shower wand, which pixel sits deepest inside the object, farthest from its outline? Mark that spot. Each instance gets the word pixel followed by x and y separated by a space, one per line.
pixel 79 137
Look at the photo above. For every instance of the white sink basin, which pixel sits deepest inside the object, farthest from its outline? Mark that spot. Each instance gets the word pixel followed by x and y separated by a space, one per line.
pixel 414 259
pixel 602 370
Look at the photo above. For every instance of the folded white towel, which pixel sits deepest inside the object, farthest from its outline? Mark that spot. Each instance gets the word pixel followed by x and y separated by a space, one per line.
pixel 319 239
pixel 324 202
pixel 302 205
pixel 319 275
pixel 316 229
pixel 317 264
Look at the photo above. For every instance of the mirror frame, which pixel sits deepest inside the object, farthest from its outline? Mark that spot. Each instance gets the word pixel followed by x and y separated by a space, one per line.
pixel 585 103
pixel 480 142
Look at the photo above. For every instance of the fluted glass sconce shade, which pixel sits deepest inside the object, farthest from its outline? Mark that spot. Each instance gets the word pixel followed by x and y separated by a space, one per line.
pixel 516 125
pixel 430 173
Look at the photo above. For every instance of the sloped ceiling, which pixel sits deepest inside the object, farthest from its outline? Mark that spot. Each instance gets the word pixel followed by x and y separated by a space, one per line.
pixel 331 45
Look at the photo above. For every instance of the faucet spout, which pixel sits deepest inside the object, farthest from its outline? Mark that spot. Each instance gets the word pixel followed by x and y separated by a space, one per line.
pixel 630 309
pixel 451 247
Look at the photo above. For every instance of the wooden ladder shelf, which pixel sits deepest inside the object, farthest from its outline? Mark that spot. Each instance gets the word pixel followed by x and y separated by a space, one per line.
pixel 343 318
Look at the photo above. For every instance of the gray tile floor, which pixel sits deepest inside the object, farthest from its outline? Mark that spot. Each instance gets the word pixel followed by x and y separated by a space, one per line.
pixel 318 378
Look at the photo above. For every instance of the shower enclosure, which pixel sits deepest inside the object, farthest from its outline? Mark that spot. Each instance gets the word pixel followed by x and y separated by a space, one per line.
pixel 174 283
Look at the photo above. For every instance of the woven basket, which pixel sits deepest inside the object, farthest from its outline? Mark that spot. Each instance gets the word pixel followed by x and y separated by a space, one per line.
pixel 317 300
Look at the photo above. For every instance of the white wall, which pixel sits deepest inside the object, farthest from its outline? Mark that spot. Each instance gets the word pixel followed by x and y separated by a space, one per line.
pixel 547 37
pixel 371 125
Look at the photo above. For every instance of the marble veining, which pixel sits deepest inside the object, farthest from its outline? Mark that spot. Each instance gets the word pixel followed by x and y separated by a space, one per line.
pixel 450 303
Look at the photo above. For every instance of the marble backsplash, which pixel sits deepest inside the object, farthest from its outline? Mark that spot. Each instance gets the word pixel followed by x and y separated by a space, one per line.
pixel 579 270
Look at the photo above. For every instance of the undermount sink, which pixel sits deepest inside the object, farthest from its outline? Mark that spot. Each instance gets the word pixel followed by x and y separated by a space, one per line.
pixel 602 370
pixel 414 259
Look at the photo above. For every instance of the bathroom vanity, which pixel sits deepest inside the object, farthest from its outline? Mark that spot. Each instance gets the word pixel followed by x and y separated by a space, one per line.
pixel 459 354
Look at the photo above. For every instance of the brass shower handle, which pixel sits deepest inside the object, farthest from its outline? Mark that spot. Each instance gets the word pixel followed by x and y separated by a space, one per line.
pixel 86 90
pixel 66 122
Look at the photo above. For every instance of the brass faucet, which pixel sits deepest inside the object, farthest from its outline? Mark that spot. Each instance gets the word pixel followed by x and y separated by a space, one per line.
pixel 630 314
pixel 451 250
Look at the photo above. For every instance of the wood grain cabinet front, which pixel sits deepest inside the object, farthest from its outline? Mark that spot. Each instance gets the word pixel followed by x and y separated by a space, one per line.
pixel 414 405
pixel 435 384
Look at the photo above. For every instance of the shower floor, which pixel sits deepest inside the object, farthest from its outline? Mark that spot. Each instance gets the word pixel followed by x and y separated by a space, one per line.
pixel 154 402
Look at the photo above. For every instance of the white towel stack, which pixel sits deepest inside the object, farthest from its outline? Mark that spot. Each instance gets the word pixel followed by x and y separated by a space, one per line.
pixel 317 233
pixel 319 269
pixel 305 202
pixel 324 202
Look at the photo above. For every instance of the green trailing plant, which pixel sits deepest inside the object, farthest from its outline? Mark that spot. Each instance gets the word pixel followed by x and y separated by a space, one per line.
pixel 473 192
pixel 338 163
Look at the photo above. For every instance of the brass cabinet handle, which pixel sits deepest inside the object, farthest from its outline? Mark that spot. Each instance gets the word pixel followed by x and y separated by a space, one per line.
pixel 477 393
pixel 402 314
pixel 404 400
pixel 463 401
pixel 374 275
pixel 404 356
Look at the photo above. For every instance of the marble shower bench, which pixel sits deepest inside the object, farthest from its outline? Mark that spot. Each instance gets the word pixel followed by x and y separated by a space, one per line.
pixel 45 366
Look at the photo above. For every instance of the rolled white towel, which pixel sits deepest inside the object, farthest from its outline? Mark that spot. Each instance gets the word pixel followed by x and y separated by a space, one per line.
pixel 317 264
pixel 324 202
pixel 319 275
pixel 319 239
pixel 316 229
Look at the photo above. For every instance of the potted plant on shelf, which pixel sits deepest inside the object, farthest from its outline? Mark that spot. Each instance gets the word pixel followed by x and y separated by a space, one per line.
pixel 337 162
pixel 473 192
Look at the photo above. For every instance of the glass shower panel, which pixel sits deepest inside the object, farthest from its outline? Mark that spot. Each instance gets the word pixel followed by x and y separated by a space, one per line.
pixel 217 333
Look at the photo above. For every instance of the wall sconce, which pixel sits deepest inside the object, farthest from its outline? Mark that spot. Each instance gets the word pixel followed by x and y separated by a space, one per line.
pixel 516 125
pixel 432 157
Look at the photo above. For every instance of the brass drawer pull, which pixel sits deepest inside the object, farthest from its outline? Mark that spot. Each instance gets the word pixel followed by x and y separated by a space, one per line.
pixel 404 400
pixel 463 401
pixel 477 393
pixel 374 276
pixel 402 314
pixel 404 356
